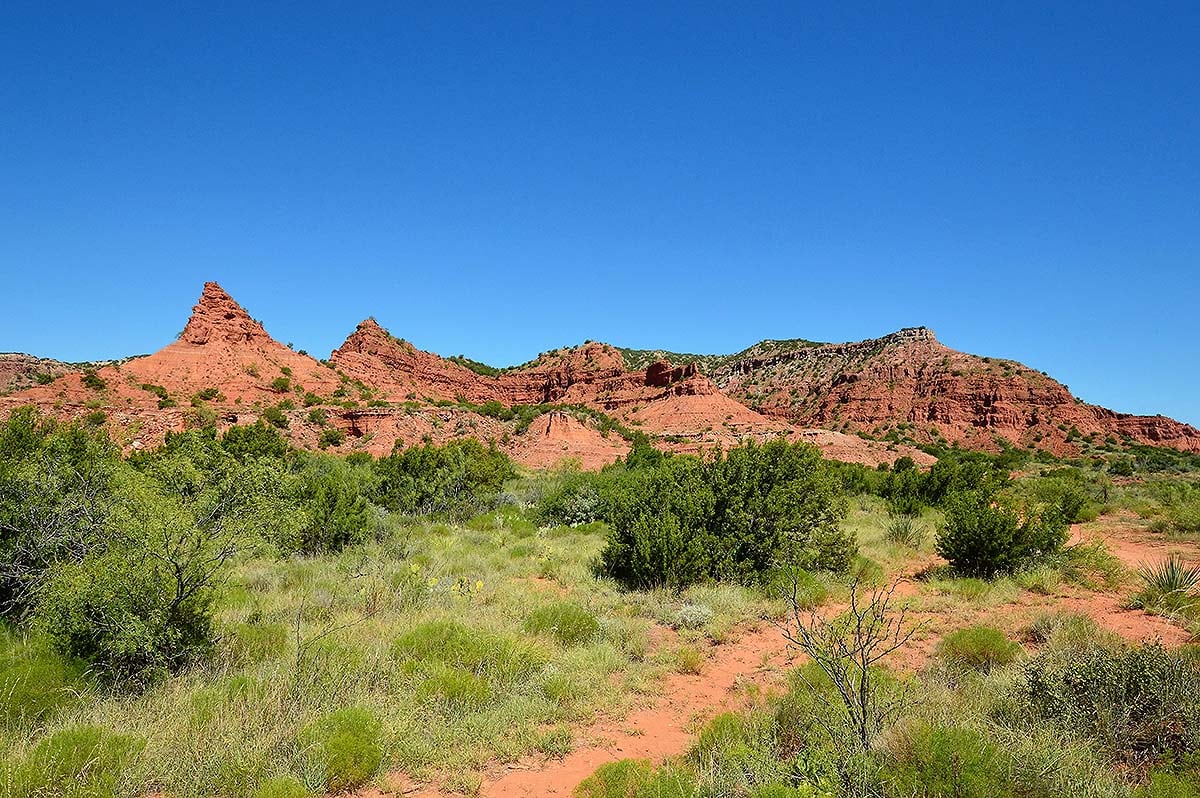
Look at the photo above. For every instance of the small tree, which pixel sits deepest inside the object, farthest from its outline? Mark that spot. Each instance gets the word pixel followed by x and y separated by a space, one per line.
pixel 986 534
pixel 849 649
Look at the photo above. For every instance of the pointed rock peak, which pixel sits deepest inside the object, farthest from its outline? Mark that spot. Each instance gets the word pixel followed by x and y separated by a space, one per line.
pixel 370 337
pixel 217 317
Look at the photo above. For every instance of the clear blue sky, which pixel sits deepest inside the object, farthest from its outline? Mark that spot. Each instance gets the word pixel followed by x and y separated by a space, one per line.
pixel 500 179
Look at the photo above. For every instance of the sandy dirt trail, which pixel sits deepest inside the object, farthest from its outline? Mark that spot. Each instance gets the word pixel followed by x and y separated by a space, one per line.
pixel 663 727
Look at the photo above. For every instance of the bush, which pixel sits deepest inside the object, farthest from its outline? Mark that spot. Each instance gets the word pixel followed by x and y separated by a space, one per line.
pixel 346 744
pixel 119 612
pixel 986 534
pixel 331 437
pixel 93 381
pixel 568 623
pixel 254 440
pixel 275 417
pixel 281 385
pixel 620 779
pixel 682 520
pixel 1170 785
pixel 337 512
pixel 454 479
pixel 56 501
pixel 1142 704
pixel 458 689
pixel 637 778
pixel 77 761
pixel 979 648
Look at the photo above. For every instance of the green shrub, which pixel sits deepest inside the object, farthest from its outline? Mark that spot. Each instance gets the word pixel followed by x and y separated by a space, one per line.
pixel 276 417
pixel 568 623
pixel 335 497
pixel 499 659
pixel 456 479
pixel 347 745
pixel 457 688
pixel 281 787
pixel 1141 704
pixel 1170 785
pixel 93 381
pixel 331 436
pixel 681 520
pixel 77 761
pixel 980 648
pixel 281 385
pixel 254 440
pixel 986 534
pixel 56 501
pixel 950 762
pixel 727 733
pixel 785 791
pixel 119 612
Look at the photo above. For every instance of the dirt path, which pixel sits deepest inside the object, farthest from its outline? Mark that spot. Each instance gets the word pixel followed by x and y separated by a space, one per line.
pixel 662 728
pixel 1132 543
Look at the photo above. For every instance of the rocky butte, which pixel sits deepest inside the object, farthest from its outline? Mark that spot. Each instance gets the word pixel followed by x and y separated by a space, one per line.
pixel 865 401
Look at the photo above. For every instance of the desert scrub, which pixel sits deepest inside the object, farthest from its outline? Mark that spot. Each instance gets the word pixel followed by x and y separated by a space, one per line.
pixel 281 787
pixel 979 648
pixel 1140 704
pixel 688 660
pixel 950 761
pixel 637 778
pixel 499 659
pixel 76 761
pixel 568 623
pixel 346 746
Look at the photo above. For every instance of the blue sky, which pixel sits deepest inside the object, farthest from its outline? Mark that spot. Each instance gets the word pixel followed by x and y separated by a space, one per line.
pixel 500 179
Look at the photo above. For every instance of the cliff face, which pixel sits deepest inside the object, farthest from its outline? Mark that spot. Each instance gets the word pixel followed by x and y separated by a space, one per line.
pixel 910 378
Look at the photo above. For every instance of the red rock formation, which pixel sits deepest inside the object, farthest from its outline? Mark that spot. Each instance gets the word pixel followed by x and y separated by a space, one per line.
pixel 910 378
pixel 221 349
pixel 226 365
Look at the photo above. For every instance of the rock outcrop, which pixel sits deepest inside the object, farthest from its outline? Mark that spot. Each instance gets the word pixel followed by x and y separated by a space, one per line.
pixel 908 379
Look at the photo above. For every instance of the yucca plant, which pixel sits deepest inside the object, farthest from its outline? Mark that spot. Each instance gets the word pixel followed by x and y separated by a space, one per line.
pixel 1170 586
pixel 905 529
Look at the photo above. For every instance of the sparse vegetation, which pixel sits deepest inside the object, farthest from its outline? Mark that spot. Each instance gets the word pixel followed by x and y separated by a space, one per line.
pixel 431 612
